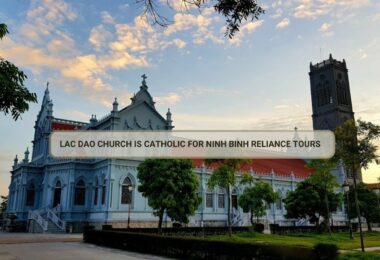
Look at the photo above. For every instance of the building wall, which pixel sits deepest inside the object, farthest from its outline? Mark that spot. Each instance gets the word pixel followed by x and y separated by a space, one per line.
pixel 112 211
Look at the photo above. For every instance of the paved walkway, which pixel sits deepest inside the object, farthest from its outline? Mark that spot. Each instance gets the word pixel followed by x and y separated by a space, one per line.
pixel 58 246
pixel 22 238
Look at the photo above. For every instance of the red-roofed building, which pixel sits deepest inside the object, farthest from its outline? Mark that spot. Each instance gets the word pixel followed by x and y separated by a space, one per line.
pixel 375 187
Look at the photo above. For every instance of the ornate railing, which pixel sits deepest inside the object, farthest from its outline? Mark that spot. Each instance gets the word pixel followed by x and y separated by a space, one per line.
pixel 236 219
pixel 302 222
pixel 56 220
pixel 43 215
pixel 35 215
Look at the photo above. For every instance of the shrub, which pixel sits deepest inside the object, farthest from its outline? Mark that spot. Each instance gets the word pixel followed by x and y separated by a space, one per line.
pixel 258 227
pixel 106 227
pixel 326 251
pixel 195 248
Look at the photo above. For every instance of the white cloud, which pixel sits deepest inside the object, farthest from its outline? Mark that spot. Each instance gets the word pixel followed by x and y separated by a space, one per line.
pixel 179 43
pixel 376 17
pixel 171 98
pixel 99 36
pixel 325 30
pixel 195 91
pixel 283 23
pixel 107 18
pixel 248 27
pixel 324 27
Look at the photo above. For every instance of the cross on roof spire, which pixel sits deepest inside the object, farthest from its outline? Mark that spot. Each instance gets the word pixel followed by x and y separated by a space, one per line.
pixel 144 77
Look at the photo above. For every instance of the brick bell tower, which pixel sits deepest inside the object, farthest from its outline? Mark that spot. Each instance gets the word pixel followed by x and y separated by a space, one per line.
pixel 330 94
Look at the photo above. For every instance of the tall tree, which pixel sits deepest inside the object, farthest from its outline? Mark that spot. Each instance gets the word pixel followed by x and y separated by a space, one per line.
pixel 368 204
pixel 3 205
pixel 224 177
pixel 14 96
pixel 235 11
pixel 171 186
pixel 356 149
pixel 325 181
pixel 254 198
pixel 306 201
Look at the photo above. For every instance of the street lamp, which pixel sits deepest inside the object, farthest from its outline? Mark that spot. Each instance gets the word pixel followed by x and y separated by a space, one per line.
pixel 130 189
pixel 346 189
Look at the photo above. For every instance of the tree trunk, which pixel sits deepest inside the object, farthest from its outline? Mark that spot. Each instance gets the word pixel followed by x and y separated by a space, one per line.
pixel 160 218
pixel 328 213
pixel 357 208
pixel 369 225
pixel 229 210
pixel 252 223
pixel 317 223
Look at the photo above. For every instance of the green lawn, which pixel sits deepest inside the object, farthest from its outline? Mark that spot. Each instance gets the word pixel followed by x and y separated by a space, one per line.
pixel 360 256
pixel 342 240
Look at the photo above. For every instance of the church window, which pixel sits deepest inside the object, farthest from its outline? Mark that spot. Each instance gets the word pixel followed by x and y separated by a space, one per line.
pixel 80 193
pixel 104 192
pixel 279 202
pixel 126 191
pixel 342 93
pixel 221 199
pixel 323 93
pixel 96 192
pixel 30 195
pixel 209 199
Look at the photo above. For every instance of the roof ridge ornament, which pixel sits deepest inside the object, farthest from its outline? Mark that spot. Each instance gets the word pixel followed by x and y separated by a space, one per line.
pixel 143 83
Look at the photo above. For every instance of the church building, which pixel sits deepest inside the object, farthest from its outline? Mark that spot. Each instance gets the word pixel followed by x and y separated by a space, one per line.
pixel 60 195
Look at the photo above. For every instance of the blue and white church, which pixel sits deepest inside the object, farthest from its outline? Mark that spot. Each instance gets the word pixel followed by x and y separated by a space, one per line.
pixel 60 195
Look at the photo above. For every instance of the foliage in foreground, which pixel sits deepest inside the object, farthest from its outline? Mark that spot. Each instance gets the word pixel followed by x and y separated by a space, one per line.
pixel 224 177
pixel 254 197
pixel 308 201
pixel 171 186
pixel 235 11
pixel 369 204
pixel 14 96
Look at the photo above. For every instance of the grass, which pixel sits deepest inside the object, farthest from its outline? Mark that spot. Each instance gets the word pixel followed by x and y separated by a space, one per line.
pixel 342 240
pixel 360 256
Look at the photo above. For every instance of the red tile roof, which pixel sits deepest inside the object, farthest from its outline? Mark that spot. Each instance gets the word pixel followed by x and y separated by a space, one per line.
pixel 282 167
pixel 374 186
pixel 64 126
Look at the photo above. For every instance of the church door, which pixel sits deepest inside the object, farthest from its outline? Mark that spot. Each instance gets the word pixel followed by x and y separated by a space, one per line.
pixel 57 194
pixel 234 200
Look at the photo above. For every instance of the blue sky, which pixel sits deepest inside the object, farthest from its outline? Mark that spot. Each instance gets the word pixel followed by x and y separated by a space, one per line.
pixel 93 51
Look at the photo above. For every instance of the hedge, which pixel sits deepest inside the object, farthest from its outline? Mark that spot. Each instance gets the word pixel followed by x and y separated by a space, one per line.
pixel 187 231
pixel 282 230
pixel 197 248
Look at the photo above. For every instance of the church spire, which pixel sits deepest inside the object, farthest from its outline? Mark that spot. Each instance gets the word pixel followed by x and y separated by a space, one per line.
pixel 115 106
pixel 47 94
pixel 26 158
pixel 169 120
pixel 143 95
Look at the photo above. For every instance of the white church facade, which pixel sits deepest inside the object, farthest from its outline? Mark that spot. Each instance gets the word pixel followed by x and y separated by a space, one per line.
pixel 64 194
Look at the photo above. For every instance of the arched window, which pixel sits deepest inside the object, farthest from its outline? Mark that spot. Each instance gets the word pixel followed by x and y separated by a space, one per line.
pixel 209 199
pixel 126 191
pixel 96 191
pixel 80 193
pixel 30 195
pixel 104 186
pixel 221 198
